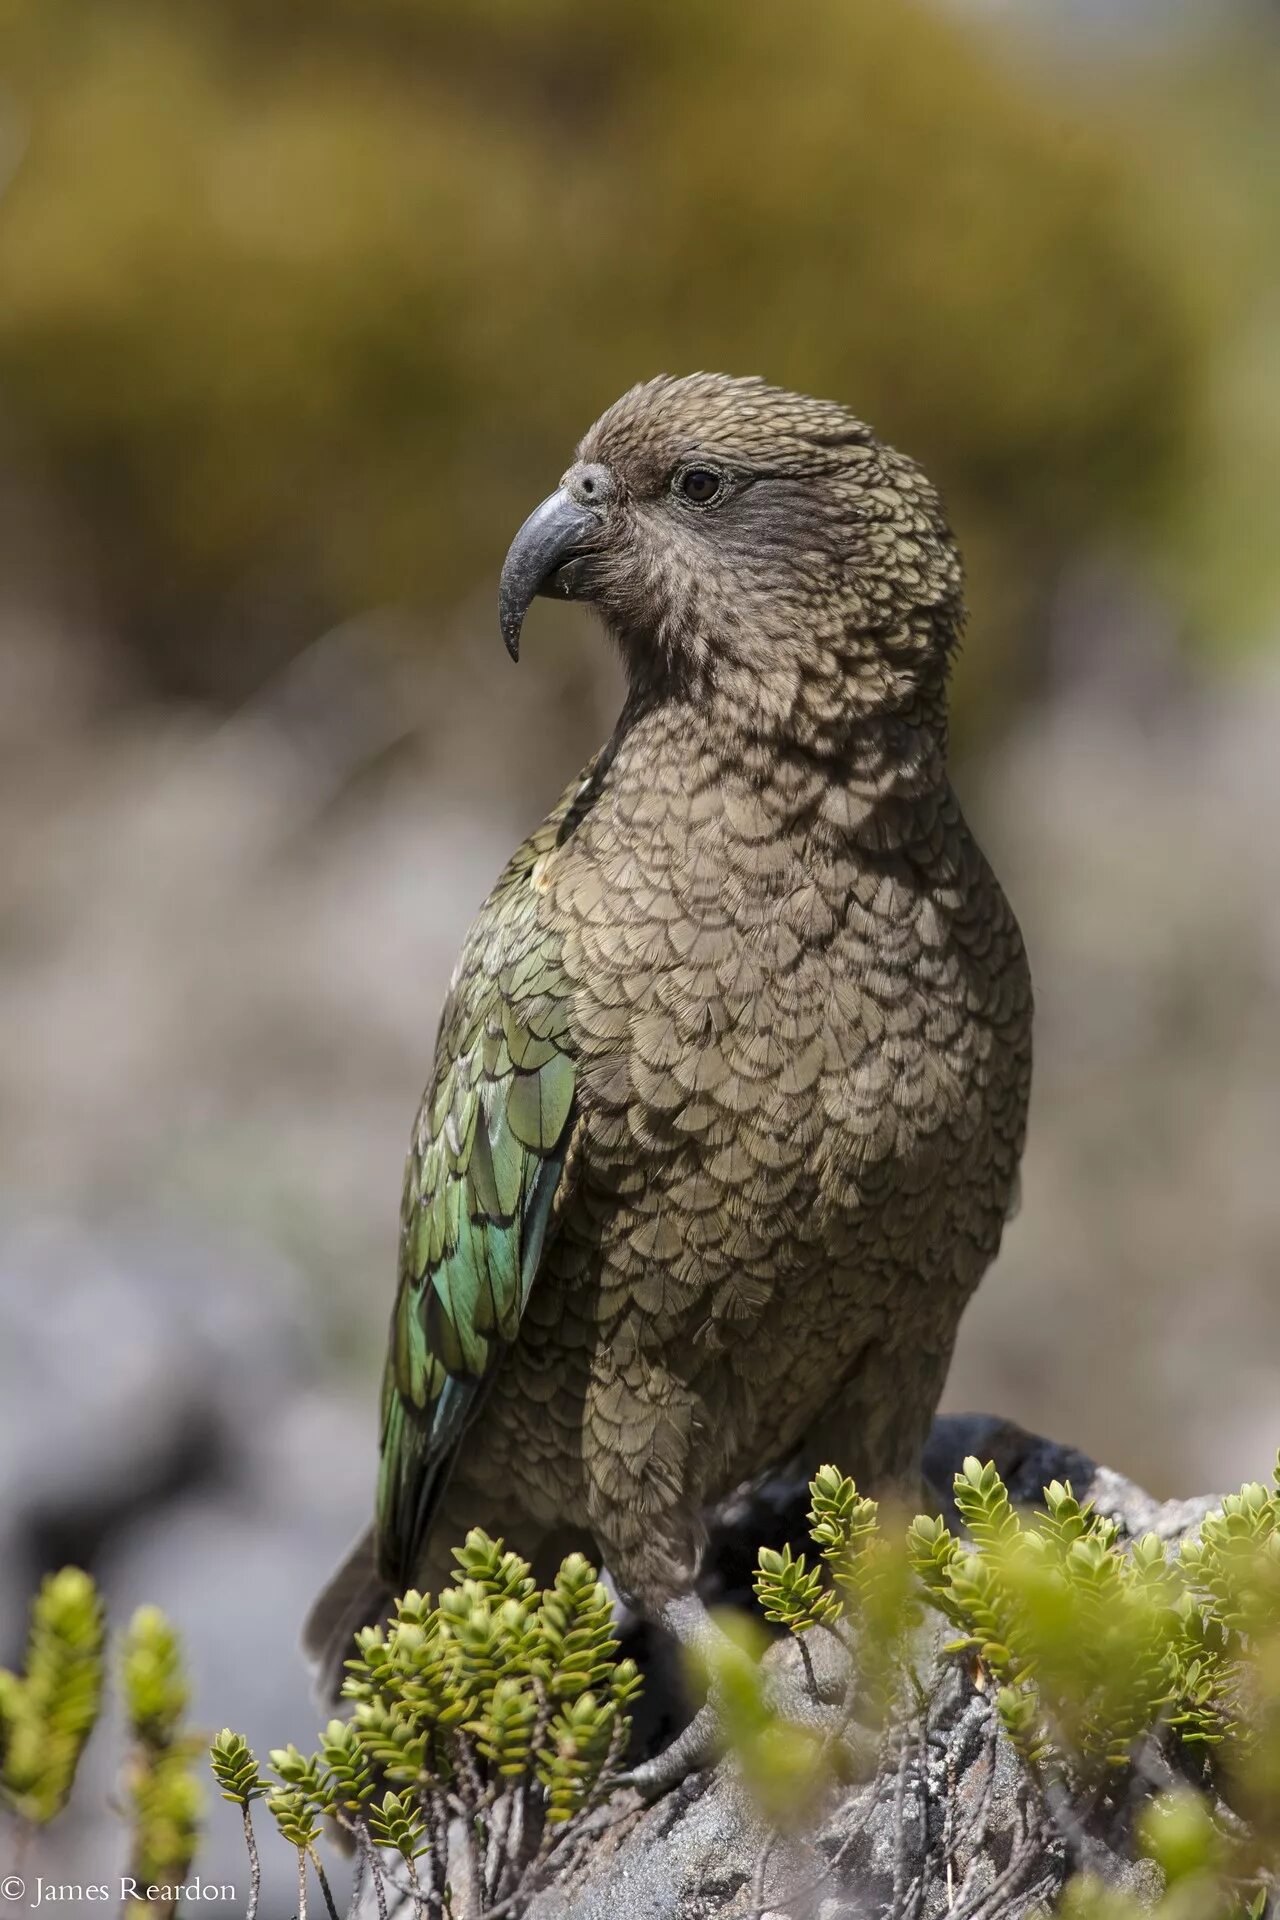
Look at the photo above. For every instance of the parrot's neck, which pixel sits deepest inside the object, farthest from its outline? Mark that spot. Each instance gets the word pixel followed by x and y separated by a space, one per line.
pixel 877 778
pixel 868 710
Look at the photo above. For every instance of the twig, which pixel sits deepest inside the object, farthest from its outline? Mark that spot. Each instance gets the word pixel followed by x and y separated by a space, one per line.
pixel 359 1832
pixel 419 1904
pixel 325 1888
pixel 924 1877
pixel 465 1758
pixel 302 1883
pixel 375 1868
pixel 357 1886
pixel 23 1841
pixel 431 1801
pixel 530 1882
pixel 899 1832
pixel 513 1840
pixel 491 1865
pixel 1028 1851
pixel 756 1910
pixel 531 1829
pixel 255 1865
pixel 949 1829
pixel 606 1780
pixel 475 1858
pixel 806 1661
pixel 474 1813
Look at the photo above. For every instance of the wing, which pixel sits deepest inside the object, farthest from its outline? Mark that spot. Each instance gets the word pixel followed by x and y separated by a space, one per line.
pixel 486 1167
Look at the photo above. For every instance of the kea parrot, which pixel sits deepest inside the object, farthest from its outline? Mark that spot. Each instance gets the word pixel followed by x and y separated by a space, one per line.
pixel 730 1085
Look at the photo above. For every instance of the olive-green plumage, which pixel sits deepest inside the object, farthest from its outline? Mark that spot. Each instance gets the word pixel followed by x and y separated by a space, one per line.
pixel 731 1083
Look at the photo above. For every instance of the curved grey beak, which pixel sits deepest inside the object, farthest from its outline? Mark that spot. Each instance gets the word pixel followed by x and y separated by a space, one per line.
pixel 540 560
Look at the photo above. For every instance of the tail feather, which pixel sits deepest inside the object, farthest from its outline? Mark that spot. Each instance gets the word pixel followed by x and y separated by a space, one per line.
pixel 354 1597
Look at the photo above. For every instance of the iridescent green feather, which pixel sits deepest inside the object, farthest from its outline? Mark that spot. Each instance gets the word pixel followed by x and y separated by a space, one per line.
pixel 487 1162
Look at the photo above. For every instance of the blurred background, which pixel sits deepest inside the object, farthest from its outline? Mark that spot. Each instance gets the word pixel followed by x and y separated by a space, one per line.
pixel 301 309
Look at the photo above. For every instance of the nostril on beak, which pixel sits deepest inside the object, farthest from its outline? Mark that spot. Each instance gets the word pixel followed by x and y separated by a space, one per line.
pixel 592 485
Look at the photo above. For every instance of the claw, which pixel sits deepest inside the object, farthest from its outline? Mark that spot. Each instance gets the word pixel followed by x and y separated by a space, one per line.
pixel 792 1691
pixel 701 1742
pixel 686 1619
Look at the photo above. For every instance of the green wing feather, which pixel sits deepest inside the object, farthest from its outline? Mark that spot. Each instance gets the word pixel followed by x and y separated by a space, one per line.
pixel 486 1167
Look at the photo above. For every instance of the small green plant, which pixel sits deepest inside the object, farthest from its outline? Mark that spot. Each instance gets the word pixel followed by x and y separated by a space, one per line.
pixel 1079 1637
pixel 1096 1646
pixel 396 1822
pixel 486 1722
pixel 48 1711
pixel 236 1772
pixel 1113 1664
pixel 293 1811
pixel 862 1582
pixel 1093 1645
pixel 162 1792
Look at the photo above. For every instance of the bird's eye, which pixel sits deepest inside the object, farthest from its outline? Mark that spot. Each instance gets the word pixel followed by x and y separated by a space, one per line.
pixel 699 485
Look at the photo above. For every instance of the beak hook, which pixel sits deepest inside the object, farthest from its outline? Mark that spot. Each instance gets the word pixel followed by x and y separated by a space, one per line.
pixel 550 539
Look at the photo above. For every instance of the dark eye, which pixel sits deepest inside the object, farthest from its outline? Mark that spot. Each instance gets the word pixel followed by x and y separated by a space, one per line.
pixel 699 485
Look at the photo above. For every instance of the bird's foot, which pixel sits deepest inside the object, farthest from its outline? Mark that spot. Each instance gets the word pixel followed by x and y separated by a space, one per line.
pixel 704 1644
pixel 700 1742
pixel 791 1691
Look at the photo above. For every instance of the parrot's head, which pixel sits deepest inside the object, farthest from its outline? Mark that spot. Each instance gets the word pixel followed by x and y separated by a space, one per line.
pixel 752 547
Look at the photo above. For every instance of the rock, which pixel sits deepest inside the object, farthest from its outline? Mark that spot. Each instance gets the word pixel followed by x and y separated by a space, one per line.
pixel 1027 1463
pixel 135 1365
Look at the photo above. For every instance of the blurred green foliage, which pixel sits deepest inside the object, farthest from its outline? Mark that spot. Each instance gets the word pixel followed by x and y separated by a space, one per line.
pixel 1211 115
pixel 164 1797
pixel 1204 1876
pixel 48 1711
pixel 1126 1674
pixel 305 305
pixel 785 1767
pixel 1095 1645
